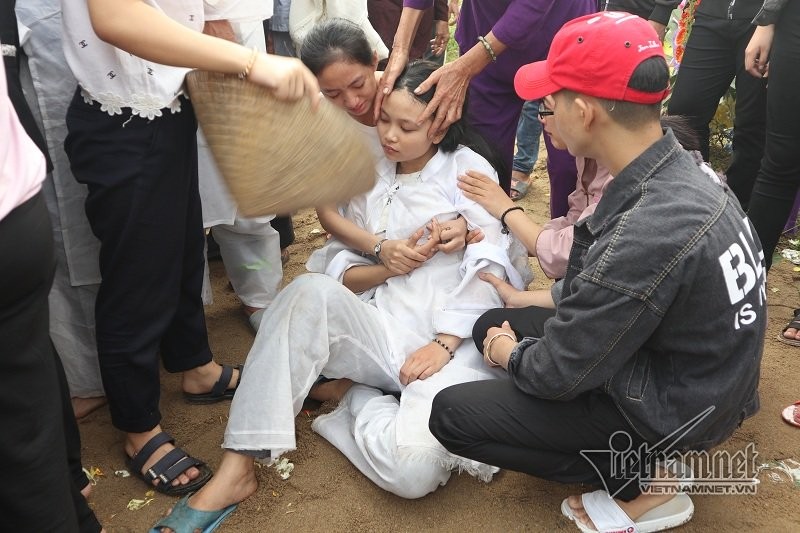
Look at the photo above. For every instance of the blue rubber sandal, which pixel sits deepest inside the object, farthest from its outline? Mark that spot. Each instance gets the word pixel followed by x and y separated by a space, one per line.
pixel 184 519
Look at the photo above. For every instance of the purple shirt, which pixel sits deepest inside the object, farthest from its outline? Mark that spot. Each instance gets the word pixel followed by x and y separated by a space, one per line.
pixel 526 27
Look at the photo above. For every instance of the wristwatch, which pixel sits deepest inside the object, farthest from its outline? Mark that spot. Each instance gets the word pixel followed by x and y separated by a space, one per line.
pixel 377 249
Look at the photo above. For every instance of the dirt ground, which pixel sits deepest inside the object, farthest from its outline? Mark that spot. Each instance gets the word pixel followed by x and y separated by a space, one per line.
pixel 326 493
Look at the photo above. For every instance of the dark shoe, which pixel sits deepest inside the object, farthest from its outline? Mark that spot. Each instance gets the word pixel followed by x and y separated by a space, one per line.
pixel 168 468
pixel 220 390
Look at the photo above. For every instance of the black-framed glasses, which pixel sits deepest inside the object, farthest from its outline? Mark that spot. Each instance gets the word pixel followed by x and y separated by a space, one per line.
pixel 545 113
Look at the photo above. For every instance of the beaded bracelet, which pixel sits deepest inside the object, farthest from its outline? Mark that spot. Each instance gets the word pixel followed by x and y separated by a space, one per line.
pixel 446 347
pixel 505 229
pixel 488 47
pixel 250 62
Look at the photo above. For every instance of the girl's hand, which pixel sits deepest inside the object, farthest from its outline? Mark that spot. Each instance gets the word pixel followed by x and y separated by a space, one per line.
pixel 288 78
pixel 756 55
pixel 401 257
pixel 424 363
pixel 507 292
pixel 488 194
pixel 452 234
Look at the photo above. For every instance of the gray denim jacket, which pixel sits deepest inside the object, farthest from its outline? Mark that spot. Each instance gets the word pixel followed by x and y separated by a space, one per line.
pixel 663 306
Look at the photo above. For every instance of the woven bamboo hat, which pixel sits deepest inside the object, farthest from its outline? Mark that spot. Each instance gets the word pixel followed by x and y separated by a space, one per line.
pixel 278 156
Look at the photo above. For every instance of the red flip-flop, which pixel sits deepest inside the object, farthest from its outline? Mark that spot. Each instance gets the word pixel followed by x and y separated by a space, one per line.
pixel 791 414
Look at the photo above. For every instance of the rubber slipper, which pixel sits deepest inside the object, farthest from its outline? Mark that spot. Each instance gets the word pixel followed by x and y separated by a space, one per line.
pixel 608 516
pixel 220 390
pixel 168 468
pixel 184 519
pixel 791 414
pixel 794 323
pixel 519 187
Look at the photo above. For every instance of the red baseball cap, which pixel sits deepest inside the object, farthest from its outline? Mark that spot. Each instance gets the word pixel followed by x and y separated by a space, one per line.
pixel 594 55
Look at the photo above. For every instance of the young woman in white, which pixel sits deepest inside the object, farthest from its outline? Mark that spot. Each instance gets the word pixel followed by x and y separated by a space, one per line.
pixel 378 331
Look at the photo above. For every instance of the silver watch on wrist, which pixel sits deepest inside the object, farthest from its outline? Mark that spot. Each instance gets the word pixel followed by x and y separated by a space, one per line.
pixel 377 249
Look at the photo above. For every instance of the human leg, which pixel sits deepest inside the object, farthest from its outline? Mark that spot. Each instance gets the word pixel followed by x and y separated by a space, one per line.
pixel 32 443
pixel 778 179
pixel 363 428
pixel 142 191
pixel 705 74
pixel 315 324
pixel 749 124
pixel 336 333
pixel 251 253
pixel 529 131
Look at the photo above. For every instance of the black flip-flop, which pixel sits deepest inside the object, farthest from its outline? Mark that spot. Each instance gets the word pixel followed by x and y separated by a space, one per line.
pixel 220 390
pixel 168 468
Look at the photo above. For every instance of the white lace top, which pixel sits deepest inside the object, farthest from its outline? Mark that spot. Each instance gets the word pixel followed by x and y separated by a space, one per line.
pixel 116 79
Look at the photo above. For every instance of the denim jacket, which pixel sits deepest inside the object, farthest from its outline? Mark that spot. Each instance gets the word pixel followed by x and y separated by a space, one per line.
pixel 663 306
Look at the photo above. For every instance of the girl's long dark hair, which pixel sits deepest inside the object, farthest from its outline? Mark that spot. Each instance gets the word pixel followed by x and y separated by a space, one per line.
pixel 459 132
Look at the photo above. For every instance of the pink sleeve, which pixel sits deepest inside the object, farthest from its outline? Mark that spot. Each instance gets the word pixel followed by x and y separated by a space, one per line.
pixel 552 250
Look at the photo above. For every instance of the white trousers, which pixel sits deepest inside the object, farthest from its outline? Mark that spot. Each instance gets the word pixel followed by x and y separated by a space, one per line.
pixel 251 252
pixel 317 326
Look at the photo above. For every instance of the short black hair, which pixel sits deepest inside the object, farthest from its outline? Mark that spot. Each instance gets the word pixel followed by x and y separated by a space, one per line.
pixel 335 40
pixel 651 76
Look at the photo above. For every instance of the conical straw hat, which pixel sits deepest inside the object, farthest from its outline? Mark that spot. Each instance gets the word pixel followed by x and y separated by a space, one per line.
pixel 278 156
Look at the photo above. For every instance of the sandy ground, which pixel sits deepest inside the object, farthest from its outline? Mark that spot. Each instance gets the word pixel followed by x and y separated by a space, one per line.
pixel 326 493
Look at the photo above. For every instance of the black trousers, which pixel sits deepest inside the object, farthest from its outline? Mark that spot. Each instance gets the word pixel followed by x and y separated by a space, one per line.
pixel 39 492
pixel 779 177
pixel 144 207
pixel 714 57
pixel 495 423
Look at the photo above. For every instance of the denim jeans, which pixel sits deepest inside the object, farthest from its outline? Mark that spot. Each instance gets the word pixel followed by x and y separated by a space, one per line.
pixel 529 130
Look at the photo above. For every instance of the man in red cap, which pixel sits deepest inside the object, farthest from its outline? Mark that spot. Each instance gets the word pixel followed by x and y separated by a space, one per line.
pixel 655 342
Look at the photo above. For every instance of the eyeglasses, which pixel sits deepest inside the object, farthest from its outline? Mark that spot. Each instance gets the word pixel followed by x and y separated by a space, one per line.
pixel 545 113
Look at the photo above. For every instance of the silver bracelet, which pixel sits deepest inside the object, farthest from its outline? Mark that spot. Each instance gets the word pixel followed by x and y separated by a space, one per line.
pixel 488 47
pixel 487 351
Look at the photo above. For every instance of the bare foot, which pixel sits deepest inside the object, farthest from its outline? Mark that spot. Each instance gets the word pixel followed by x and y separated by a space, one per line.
pixel 330 390
pixel 234 482
pixel 792 334
pixel 135 441
pixel 87 490
pixel 83 406
pixel 202 378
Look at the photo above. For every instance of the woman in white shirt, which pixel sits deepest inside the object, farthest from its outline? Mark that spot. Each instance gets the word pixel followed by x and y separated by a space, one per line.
pixel 132 142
